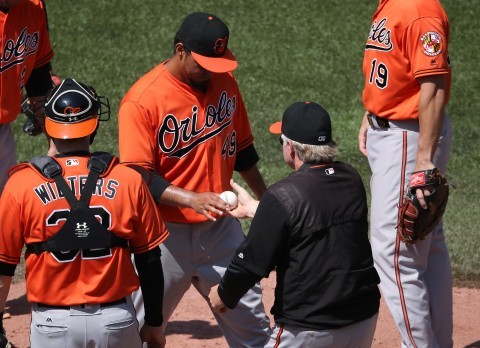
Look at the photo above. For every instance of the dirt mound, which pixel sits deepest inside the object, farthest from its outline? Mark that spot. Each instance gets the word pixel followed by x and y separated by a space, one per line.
pixel 193 325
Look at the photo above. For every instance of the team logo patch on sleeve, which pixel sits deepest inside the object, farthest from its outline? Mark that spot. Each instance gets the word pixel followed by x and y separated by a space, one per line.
pixel 432 43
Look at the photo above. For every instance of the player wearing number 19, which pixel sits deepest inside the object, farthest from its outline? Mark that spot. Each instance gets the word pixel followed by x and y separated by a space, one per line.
pixel 81 215
pixel 404 133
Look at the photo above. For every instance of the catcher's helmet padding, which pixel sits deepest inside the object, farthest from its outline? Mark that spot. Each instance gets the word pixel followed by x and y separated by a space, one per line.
pixel 72 110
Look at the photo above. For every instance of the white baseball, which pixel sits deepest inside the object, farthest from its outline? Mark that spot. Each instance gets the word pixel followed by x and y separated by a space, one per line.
pixel 230 198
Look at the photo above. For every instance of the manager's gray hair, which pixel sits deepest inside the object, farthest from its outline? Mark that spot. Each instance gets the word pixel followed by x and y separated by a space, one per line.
pixel 314 153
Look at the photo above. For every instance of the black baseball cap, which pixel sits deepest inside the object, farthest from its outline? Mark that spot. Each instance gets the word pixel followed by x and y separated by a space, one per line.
pixel 206 36
pixel 305 123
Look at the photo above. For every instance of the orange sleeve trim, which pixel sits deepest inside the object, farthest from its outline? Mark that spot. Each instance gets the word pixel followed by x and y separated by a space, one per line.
pixel 150 246
pixel 247 142
pixel 10 259
pixel 43 60
pixel 144 165
pixel 430 72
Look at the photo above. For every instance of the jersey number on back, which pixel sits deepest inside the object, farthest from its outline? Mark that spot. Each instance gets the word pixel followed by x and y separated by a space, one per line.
pixel 378 74
pixel 104 218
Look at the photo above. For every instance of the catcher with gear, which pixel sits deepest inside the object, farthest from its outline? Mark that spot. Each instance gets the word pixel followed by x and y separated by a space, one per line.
pixel 416 220
pixel 82 217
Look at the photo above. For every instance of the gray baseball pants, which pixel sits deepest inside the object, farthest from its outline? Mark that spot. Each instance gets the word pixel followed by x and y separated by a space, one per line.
pixel 90 326
pixel 416 281
pixel 358 335
pixel 198 255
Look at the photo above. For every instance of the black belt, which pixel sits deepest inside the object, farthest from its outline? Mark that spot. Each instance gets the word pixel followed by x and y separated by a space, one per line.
pixel 377 122
pixel 102 305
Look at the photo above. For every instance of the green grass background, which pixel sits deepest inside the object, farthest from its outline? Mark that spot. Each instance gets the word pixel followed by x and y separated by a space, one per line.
pixel 288 50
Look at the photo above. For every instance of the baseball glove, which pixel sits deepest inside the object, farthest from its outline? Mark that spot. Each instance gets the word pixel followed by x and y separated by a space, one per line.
pixel 415 222
pixel 33 124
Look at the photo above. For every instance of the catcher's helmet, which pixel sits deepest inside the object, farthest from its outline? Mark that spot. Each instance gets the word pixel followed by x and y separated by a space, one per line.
pixel 72 110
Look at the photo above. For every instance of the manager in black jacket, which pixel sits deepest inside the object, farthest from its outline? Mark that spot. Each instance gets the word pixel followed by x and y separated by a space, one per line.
pixel 312 228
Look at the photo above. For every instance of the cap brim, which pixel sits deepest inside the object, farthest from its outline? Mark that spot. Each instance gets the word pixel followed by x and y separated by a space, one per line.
pixel 61 130
pixel 276 128
pixel 223 64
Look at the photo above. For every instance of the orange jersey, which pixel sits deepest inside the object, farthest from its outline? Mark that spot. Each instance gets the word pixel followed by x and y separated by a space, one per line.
pixel 29 208
pixel 188 137
pixel 407 40
pixel 24 45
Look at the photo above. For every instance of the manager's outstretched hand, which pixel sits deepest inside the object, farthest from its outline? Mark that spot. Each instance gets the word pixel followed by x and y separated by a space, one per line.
pixel 247 205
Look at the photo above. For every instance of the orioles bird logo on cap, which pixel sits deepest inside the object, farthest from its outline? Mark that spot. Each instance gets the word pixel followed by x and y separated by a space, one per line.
pixel 70 110
pixel 220 45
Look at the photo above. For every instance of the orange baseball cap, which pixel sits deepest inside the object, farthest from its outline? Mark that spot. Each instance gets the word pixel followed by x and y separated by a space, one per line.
pixel 206 36
pixel 71 111
pixel 305 123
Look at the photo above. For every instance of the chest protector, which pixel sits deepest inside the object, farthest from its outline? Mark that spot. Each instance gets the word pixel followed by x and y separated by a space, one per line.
pixel 81 229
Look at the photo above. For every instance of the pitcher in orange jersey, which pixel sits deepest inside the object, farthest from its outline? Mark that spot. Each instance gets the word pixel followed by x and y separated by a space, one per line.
pixel 405 129
pixel 185 123
pixel 81 217
pixel 25 55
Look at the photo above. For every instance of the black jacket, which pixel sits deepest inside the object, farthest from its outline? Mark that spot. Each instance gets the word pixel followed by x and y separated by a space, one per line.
pixel 312 227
